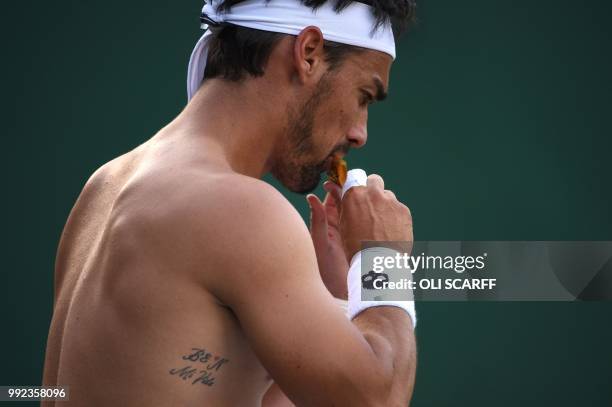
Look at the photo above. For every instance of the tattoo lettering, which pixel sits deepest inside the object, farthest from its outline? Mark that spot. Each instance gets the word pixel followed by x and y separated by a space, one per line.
pixel 218 363
pixel 202 374
pixel 198 355
pixel 206 378
pixel 185 373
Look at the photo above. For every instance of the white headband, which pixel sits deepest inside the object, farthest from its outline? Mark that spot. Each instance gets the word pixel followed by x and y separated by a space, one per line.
pixel 352 26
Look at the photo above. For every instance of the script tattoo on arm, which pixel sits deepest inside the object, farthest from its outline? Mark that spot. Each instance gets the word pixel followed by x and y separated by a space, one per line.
pixel 201 366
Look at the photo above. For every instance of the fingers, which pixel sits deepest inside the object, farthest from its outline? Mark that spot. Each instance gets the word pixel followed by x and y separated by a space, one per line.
pixel 375 181
pixel 390 194
pixel 318 218
pixel 334 191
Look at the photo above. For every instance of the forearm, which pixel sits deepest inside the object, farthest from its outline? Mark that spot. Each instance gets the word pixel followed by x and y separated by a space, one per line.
pixel 389 332
pixel 387 350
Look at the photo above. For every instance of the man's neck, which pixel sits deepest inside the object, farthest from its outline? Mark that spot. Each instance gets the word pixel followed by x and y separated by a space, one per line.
pixel 241 119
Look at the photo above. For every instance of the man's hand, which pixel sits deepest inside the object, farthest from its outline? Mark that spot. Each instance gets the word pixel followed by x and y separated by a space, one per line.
pixel 371 213
pixel 325 233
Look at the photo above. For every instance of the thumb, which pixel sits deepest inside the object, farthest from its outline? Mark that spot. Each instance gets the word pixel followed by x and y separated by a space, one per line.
pixel 318 219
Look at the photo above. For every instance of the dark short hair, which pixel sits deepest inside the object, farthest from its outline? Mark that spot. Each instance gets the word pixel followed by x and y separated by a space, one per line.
pixel 236 51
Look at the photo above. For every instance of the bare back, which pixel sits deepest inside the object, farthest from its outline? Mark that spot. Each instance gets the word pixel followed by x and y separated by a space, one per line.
pixel 133 322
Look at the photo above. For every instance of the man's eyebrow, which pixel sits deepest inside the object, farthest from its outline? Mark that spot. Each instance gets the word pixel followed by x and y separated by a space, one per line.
pixel 380 89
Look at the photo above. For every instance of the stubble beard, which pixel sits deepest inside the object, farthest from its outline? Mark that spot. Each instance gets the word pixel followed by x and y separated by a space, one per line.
pixel 297 170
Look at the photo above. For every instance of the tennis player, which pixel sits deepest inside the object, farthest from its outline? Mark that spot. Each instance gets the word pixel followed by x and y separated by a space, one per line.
pixel 183 279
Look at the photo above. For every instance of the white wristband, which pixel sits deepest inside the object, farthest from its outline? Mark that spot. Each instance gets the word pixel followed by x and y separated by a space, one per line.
pixel 358 177
pixel 356 305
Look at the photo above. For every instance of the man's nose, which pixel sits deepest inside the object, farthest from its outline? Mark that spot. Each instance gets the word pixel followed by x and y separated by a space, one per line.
pixel 358 134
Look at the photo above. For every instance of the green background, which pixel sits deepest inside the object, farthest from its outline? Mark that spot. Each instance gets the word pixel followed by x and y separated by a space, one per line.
pixel 497 128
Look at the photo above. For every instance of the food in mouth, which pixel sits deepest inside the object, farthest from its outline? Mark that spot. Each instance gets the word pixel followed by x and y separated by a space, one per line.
pixel 337 170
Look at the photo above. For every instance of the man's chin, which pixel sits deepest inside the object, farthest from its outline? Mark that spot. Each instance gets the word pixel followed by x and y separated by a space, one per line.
pixel 305 187
pixel 300 186
pixel 305 190
pixel 300 179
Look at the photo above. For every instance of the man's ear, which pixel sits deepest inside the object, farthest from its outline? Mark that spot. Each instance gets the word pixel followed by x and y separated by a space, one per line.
pixel 308 54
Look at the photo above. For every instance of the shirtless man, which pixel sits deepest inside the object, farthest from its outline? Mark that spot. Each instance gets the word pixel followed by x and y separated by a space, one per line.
pixel 182 279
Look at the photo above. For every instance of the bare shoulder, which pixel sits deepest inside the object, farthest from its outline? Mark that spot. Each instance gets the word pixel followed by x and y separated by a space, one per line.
pixel 214 220
pixel 239 196
pixel 246 215
pixel 232 203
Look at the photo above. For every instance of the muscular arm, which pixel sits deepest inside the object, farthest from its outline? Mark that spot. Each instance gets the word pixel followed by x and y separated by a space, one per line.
pixel 271 282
